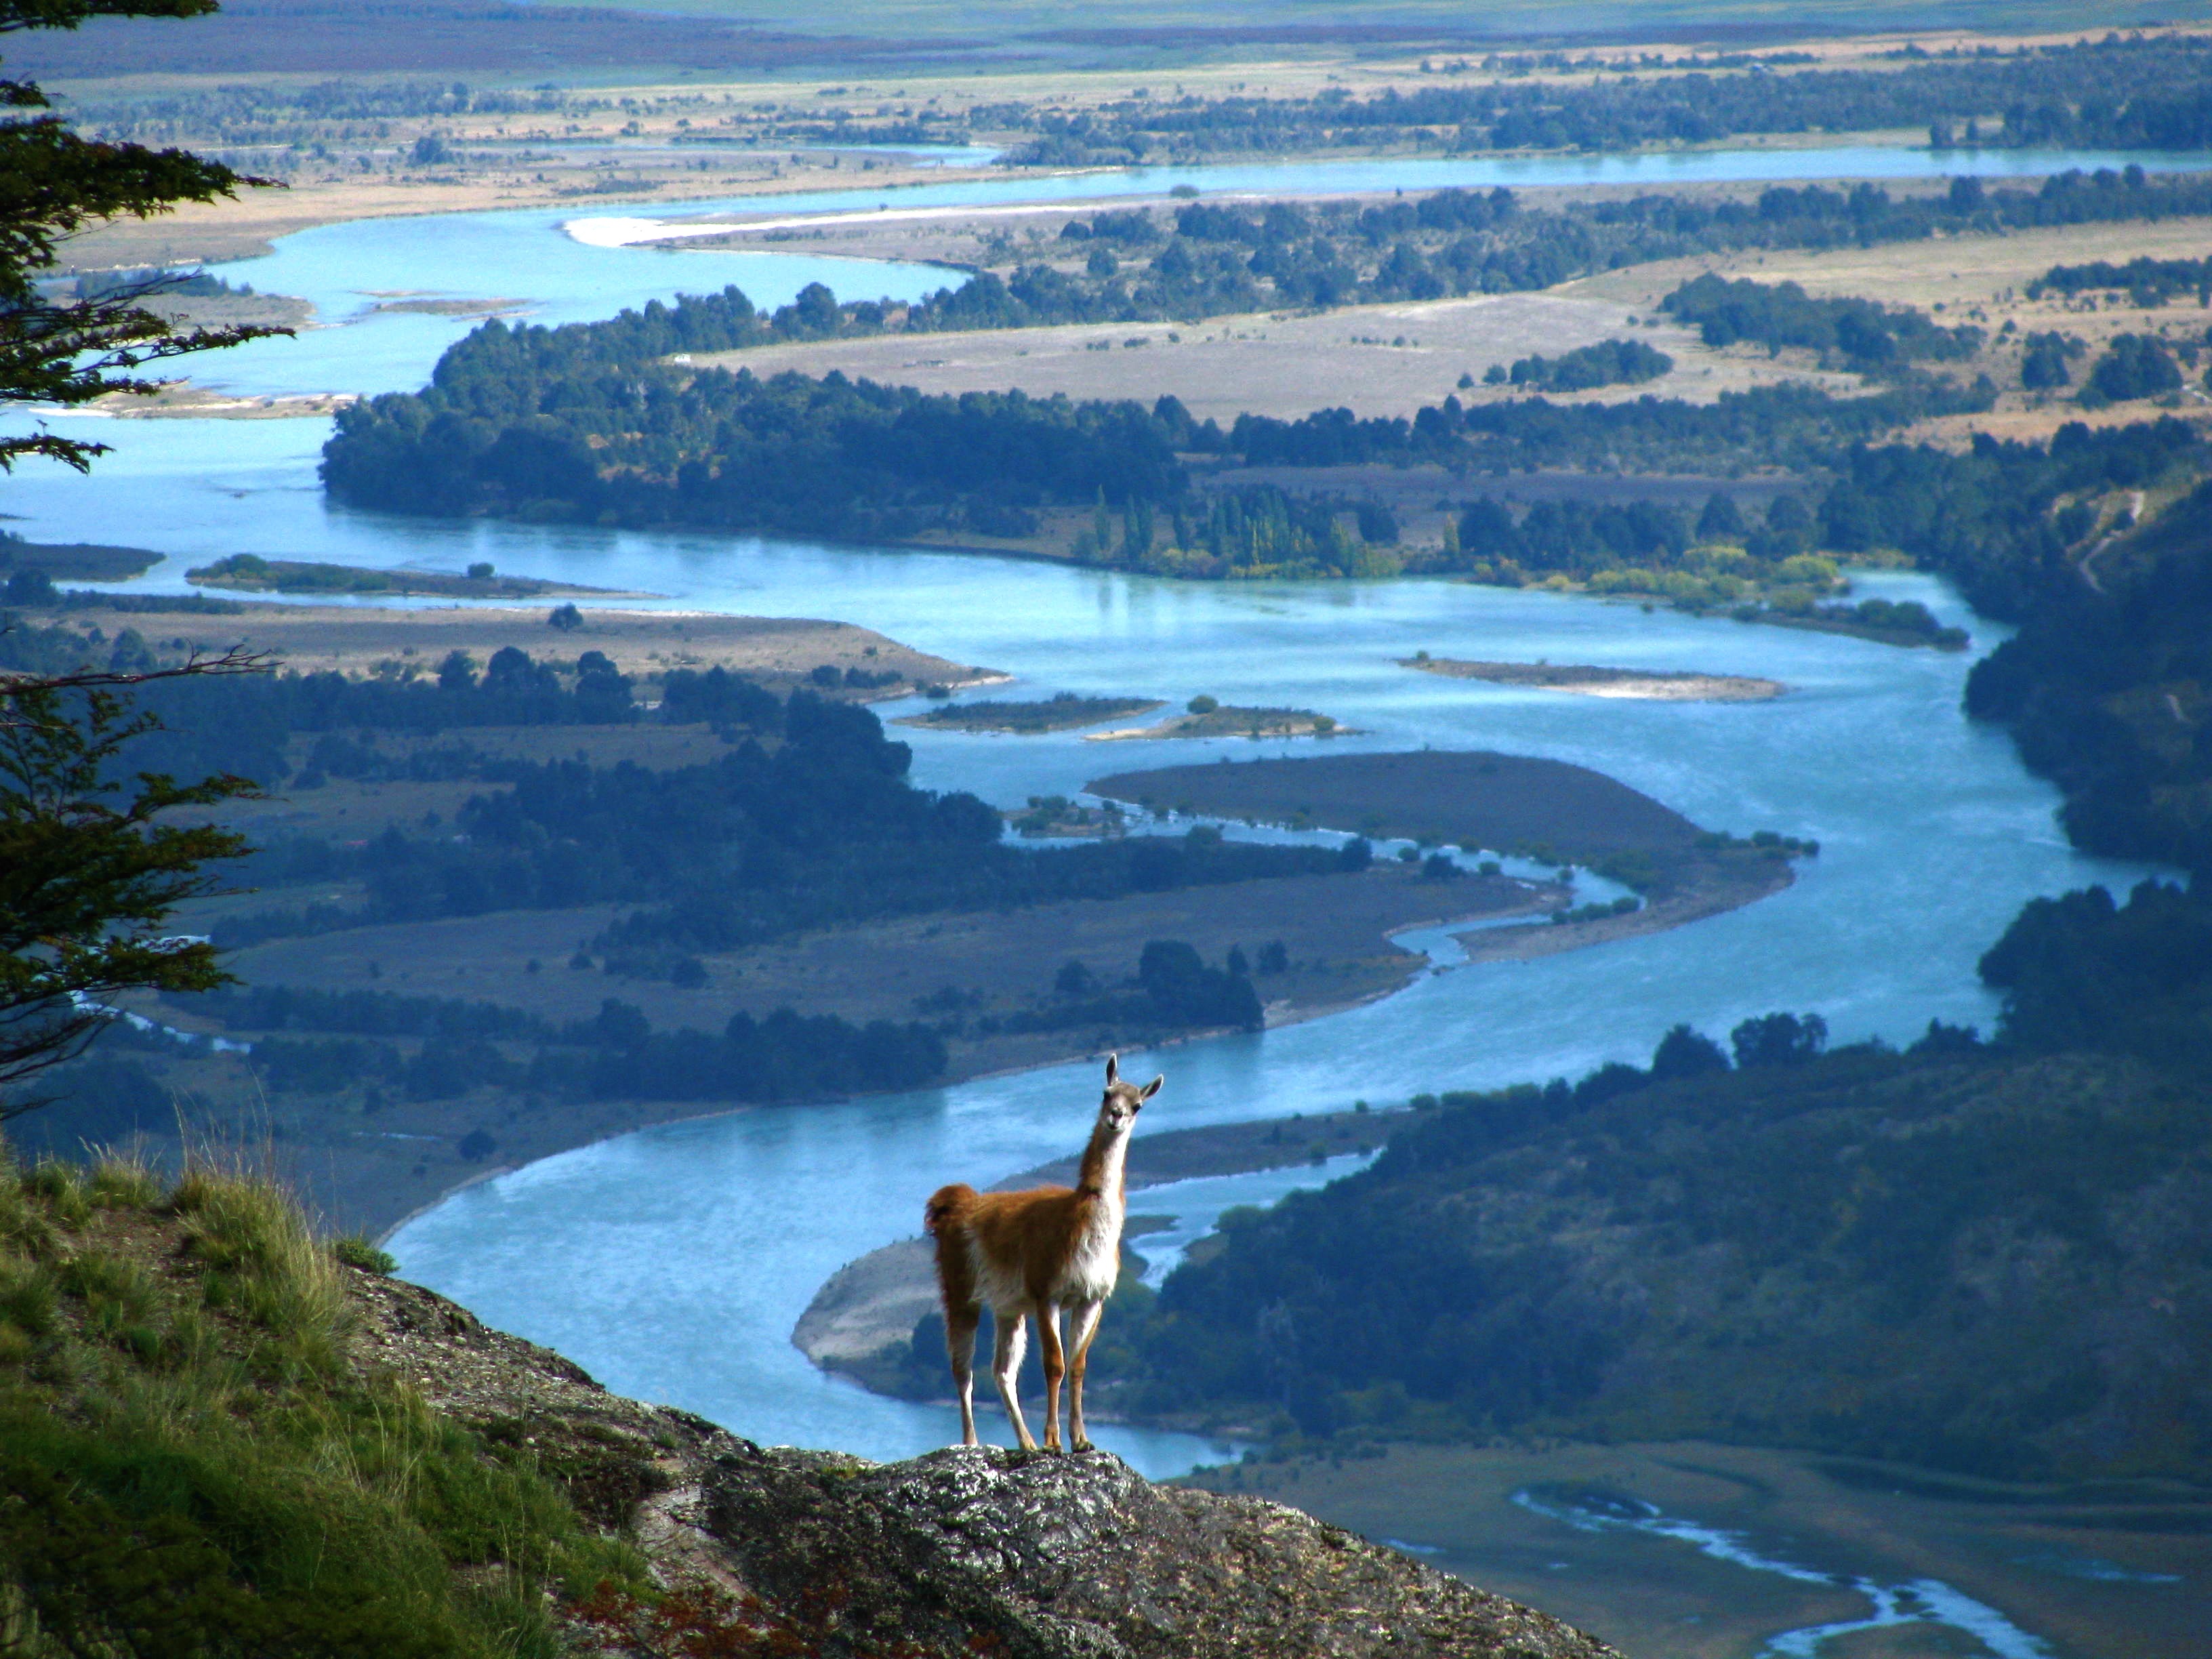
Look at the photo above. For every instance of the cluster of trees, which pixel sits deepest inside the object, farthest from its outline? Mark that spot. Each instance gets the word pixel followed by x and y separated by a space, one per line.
pixel 1575 536
pixel 2133 366
pixel 1991 518
pixel 2102 685
pixel 590 419
pixel 615 1056
pixel 2149 282
pixel 1260 532
pixel 827 456
pixel 1862 333
pixel 1608 362
pixel 1827 1215
pixel 2080 972
pixel 2043 358
pixel 1791 426
pixel 818 825
pixel 2129 94
pixel 1174 989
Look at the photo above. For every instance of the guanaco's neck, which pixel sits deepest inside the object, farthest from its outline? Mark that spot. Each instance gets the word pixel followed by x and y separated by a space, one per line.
pixel 1101 1175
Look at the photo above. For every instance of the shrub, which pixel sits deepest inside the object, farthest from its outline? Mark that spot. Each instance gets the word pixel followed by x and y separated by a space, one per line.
pixel 357 1252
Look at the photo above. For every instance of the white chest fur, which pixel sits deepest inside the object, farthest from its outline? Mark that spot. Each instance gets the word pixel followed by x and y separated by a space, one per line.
pixel 1096 1266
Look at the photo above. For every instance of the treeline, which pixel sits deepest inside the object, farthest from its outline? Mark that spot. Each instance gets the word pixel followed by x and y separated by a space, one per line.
pixel 1496 1270
pixel 1991 519
pixel 1607 362
pixel 613 1056
pixel 1865 335
pixel 820 825
pixel 827 456
pixel 1793 425
pixel 2148 282
pixel 2103 684
pixel 2139 94
pixel 1814 1227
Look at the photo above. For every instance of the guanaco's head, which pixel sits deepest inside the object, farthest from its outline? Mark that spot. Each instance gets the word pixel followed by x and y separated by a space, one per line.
pixel 1123 1101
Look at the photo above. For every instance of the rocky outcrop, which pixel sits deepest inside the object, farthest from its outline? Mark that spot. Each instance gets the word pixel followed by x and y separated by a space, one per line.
pixel 1042 1557
pixel 770 1550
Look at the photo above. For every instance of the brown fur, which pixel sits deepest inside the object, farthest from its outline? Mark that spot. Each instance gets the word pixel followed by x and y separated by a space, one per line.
pixel 1032 1240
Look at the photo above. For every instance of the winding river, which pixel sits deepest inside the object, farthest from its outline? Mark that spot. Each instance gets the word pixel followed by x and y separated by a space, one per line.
pixel 672 1262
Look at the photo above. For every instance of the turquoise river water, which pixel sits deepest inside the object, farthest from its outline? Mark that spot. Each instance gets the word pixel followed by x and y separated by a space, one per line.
pixel 672 1262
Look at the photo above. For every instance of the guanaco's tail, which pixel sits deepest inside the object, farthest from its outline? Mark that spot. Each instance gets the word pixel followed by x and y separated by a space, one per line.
pixel 946 1215
pixel 947 1205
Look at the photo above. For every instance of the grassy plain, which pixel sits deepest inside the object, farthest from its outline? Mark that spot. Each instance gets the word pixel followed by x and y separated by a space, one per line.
pixel 2114 1573
pixel 395 644
pixel 1390 360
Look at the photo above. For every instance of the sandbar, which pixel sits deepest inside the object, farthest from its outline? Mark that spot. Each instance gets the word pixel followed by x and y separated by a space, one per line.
pixel 1585 680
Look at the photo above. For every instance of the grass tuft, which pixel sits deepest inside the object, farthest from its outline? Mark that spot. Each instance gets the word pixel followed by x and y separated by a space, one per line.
pixel 119 1182
pixel 193 1467
pixel 265 1262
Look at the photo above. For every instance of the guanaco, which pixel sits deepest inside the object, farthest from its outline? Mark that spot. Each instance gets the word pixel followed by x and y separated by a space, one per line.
pixel 1030 1255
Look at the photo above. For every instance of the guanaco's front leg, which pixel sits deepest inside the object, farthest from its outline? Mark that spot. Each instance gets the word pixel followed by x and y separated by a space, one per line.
pixel 1047 1324
pixel 1082 1326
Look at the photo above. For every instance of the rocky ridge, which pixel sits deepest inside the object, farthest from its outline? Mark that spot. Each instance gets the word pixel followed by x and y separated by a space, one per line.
pixel 771 1550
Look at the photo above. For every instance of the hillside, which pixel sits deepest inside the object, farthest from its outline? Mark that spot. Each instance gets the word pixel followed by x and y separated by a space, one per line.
pixel 1986 1260
pixel 221 1439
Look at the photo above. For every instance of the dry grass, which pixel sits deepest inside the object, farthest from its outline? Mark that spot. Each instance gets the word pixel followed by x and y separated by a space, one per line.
pixel 1374 359
pixel 775 650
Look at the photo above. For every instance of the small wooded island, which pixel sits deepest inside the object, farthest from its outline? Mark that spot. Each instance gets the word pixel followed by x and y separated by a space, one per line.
pixel 1061 713
pixel 249 573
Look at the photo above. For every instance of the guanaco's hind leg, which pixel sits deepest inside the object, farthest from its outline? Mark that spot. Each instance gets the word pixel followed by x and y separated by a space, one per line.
pixel 1006 1371
pixel 1047 1324
pixel 1082 1326
pixel 960 1348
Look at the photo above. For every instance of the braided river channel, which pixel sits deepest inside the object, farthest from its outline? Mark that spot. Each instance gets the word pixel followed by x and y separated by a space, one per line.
pixel 672 1262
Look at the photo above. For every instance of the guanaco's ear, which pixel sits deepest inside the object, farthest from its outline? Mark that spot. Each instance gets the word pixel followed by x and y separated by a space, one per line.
pixel 1151 1089
pixel 1112 1069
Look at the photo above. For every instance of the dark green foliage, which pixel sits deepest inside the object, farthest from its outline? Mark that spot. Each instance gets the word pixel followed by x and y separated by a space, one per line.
pixel 2135 366
pixel 1865 335
pixel 1985 519
pixel 2080 972
pixel 1793 425
pixel 2043 360
pixel 2148 282
pixel 1609 362
pixel 91 865
pixel 1185 992
pixel 2145 92
pixel 506 425
pixel 58 183
pixel 2101 689
pixel 1779 1040
pixel 1797 1253
pixel 1573 535
pixel 1683 1053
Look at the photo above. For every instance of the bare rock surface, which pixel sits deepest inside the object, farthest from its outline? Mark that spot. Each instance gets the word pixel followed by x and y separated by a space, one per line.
pixel 772 1550
pixel 1048 1556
